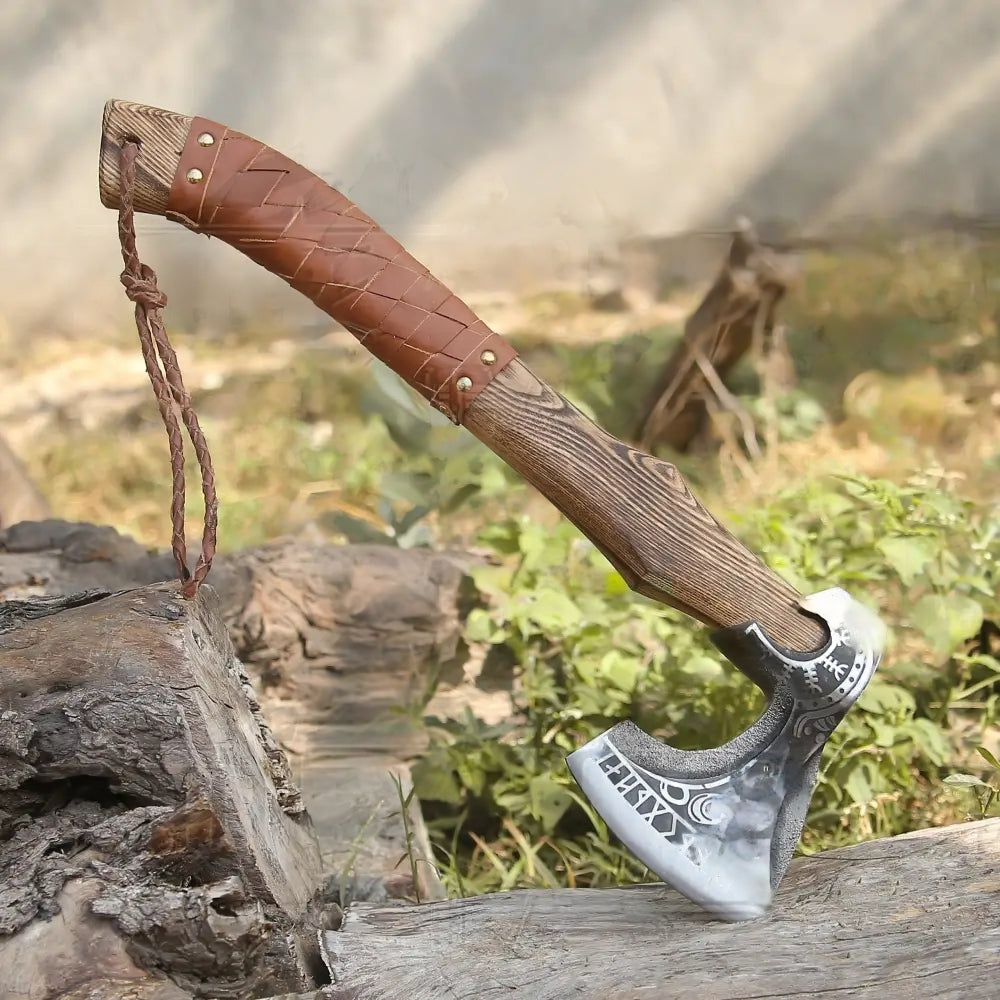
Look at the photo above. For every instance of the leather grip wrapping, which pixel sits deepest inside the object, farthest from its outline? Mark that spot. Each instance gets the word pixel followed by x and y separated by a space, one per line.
pixel 295 225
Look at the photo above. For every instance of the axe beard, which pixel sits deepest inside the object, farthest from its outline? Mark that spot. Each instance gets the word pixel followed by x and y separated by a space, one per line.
pixel 721 825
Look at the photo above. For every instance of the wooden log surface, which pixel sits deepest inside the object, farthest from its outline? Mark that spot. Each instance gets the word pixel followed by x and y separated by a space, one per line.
pixel 344 632
pixel 79 956
pixel 337 639
pixel 133 756
pixel 906 918
pixel 333 635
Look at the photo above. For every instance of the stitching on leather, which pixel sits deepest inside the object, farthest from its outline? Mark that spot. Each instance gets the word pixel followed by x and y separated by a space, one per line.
pixel 391 302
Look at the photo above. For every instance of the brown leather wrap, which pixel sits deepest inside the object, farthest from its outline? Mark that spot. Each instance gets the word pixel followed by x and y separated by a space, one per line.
pixel 298 227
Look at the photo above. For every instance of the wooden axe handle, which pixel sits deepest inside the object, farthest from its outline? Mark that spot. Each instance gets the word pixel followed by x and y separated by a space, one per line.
pixel 637 509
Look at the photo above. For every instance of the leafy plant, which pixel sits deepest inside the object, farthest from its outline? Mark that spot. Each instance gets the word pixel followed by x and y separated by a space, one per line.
pixel 794 414
pixel 505 810
pixel 429 469
pixel 987 792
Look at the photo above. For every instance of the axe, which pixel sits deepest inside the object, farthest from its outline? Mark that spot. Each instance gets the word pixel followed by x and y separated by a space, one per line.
pixel 721 824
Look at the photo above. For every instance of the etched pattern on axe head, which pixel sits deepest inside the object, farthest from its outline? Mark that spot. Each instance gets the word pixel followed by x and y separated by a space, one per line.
pixel 721 825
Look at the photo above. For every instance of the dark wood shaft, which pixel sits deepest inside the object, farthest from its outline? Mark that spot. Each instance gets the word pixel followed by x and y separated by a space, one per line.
pixel 636 509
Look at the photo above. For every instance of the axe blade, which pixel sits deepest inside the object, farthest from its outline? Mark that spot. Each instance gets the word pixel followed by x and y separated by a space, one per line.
pixel 721 825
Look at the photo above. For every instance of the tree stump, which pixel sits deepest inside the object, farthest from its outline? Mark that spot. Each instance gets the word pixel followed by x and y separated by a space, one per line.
pixel 141 792
pixel 338 640
pixel 736 314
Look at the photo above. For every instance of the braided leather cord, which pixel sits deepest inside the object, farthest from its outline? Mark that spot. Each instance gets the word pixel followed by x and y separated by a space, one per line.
pixel 164 372
pixel 292 223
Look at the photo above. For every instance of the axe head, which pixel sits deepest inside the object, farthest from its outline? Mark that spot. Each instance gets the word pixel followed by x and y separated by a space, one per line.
pixel 721 825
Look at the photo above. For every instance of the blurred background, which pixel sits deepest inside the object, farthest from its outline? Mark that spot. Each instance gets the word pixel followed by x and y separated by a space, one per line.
pixel 511 144
pixel 576 169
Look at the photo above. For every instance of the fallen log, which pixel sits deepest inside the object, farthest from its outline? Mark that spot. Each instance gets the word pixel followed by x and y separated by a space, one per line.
pixel 909 917
pixel 144 800
pixel 338 640
pixel 342 632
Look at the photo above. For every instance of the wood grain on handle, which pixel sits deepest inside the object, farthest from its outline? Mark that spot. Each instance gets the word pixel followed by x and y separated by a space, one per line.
pixel 636 509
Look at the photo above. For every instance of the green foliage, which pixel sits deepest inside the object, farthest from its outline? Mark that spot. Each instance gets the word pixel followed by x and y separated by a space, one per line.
pixel 794 414
pixel 424 469
pixel 987 793
pixel 505 810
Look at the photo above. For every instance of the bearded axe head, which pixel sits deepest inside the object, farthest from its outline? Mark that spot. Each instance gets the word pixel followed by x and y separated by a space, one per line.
pixel 721 825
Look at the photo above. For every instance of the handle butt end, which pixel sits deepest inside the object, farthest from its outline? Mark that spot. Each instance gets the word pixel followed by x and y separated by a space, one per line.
pixel 161 136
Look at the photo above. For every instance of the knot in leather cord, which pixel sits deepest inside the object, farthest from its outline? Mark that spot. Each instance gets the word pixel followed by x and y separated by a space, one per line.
pixel 141 288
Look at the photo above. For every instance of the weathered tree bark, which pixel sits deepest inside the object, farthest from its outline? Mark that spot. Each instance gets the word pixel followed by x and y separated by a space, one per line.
pixel 737 312
pixel 342 632
pixel 911 917
pixel 139 783
pixel 341 637
pixel 65 951
pixel 343 627
pixel 338 639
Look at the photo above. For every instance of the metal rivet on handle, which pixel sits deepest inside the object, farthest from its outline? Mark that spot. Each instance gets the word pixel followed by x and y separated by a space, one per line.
pixel 488 358
pixel 194 175
pixel 464 384
pixel 206 139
